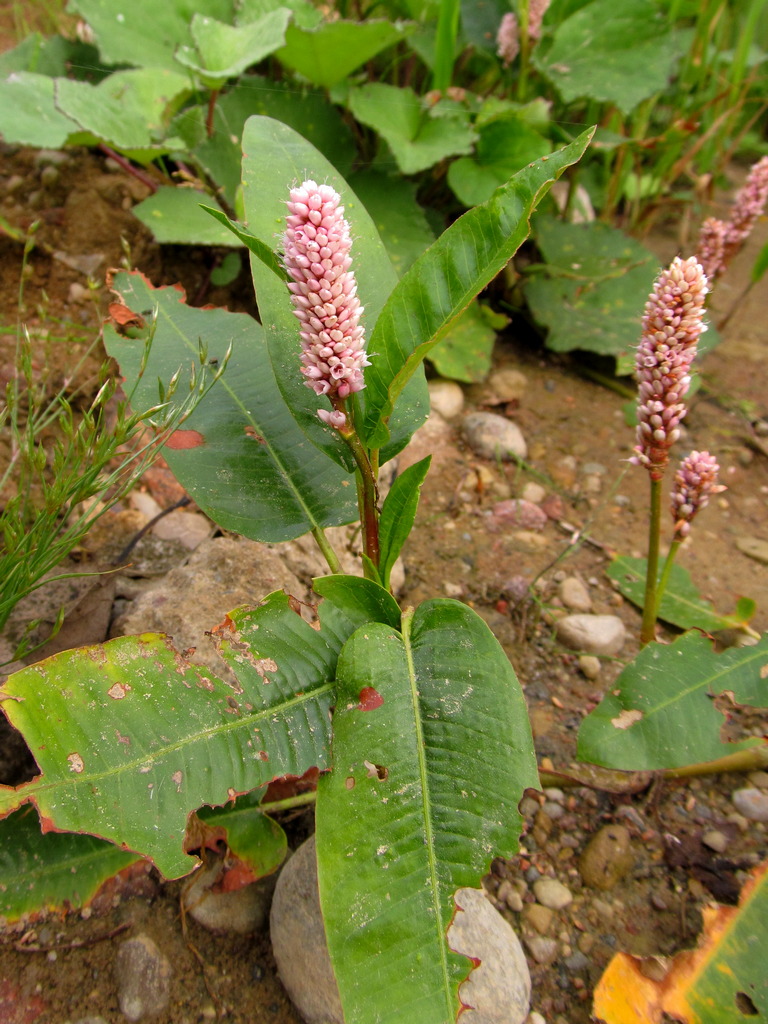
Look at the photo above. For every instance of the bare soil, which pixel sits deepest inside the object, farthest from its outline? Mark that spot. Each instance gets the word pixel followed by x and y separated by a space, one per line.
pixel 578 447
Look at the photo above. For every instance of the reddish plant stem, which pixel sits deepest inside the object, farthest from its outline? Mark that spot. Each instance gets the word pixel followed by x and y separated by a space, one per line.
pixel 211 111
pixel 130 168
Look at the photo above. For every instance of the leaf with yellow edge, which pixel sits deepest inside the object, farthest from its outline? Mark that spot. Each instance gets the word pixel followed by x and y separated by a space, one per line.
pixel 721 981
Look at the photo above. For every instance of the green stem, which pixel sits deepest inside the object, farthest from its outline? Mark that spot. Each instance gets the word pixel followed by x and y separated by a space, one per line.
pixel 647 630
pixel 328 553
pixel 367 497
pixel 289 802
pixel 674 548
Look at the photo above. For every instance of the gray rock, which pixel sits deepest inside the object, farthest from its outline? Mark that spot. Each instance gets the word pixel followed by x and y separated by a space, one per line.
pixel 551 893
pixel 607 857
pixel 542 949
pixel 446 397
pixel 752 803
pixel 594 634
pixel 220 575
pixel 575 595
pixel 715 840
pixel 498 990
pixel 576 962
pixel 143 976
pixel 298 940
pixel 506 385
pixel 242 910
pixel 494 437
pixel 753 547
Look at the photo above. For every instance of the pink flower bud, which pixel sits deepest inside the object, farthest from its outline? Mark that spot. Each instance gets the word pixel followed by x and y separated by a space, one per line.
pixel 507 39
pixel 672 325
pixel 324 295
pixel 711 247
pixel 695 480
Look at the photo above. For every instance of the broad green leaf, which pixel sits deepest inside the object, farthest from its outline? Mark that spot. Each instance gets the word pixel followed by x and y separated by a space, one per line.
pixel 465 350
pixel 251 835
pixel 619 54
pixel 721 981
pixel 304 13
pixel 49 871
pixel 28 115
pixel 360 600
pixel 228 270
pixel 327 54
pixel 304 109
pixel 592 290
pixel 224 51
pixel 273 154
pixel 681 604
pixel 660 713
pixel 503 148
pixel 261 251
pixel 398 514
pixel 399 219
pixel 144 33
pixel 442 282
pixel 417 138
pixel 130 110
pixel 431 752
pixel 240 454
pixel 130 736
pixel 176 216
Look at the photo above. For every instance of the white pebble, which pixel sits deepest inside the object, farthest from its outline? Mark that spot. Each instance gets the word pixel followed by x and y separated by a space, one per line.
pixel 551 893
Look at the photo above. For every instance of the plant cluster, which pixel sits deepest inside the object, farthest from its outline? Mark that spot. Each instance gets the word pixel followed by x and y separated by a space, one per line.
pixel 414 716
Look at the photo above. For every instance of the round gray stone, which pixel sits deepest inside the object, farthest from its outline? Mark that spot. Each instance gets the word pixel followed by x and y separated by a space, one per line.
pixel 298 940
pixel 143 976
pixel 594 634
pixel 494 437
pixel 498 990
pixel 551 893
pixel 752 803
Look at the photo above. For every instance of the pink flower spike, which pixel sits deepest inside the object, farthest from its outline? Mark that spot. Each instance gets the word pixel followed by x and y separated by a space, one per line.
pixel 507 39
pixel 695 481
pixel 747 207
pixel 672 325
pixel 324 295
pixel 710 247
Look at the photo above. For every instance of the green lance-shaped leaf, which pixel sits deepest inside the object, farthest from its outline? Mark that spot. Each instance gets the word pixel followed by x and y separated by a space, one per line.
pixel 240 454
pixel 398 514
pixel 681 604
pixel 443 282
pixel 359 600
pixel 660 712
pixel 431 754
pixel 275 158
pixel 130 736
pixel 51 871
pixel 251 242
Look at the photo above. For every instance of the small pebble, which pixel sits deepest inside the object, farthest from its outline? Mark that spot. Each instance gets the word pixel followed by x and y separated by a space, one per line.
pixel 575 595
pixel 576 962
pixel 607 858
pixel 758 779
pixel 534 492
pixel 752 803
pixel 535 1018
pixel 593 634
pixel 553 810
pixel 494 437
pixel 446 397
pixel 143 976
pixel 49 176
pixel 715 840
pixel 589 665
pixel 77 292
pixel 519 512
pixel 540 918
pixel 542 949
pixel 507 385
pixel 551 893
